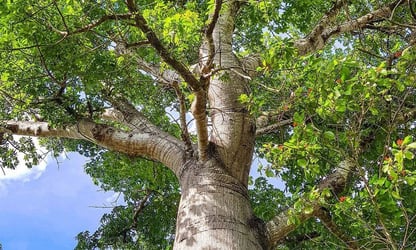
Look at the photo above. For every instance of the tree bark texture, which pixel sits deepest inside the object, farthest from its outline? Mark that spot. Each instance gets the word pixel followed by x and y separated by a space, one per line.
pixel 214 211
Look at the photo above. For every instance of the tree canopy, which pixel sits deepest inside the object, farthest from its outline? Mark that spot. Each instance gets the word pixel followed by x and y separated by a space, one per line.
pixel 329 94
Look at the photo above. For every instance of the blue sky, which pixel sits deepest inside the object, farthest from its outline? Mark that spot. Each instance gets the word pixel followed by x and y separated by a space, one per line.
pixel 46 207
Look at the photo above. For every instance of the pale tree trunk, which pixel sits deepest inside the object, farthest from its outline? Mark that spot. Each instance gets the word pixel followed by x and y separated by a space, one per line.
pixel 215 211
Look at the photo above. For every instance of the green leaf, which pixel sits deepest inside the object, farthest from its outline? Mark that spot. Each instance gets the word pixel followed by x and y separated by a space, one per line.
pixel 298 117
pixel 379 182
pixel 374 111
pixel 329 135
pixel 244 98
pixel 4 76
pixel 409 155
pixel 308 209
pixel 396 195
pixel 302 162
pixel 410 180
pixel 407 140
pixel 269 173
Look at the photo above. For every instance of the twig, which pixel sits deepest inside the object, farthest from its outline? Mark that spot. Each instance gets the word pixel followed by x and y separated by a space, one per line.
pixel 210 39
pixel 162 51
pixel 62 16
pixel 182 118
pixel 412 11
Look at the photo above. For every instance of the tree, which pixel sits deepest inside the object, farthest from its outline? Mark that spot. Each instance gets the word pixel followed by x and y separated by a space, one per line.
pixel 323 90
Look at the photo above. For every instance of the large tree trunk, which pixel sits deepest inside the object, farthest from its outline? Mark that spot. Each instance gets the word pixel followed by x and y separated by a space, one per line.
pixel 215 212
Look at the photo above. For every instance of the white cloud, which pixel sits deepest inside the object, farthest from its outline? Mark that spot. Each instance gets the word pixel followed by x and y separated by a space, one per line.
pixel 21 172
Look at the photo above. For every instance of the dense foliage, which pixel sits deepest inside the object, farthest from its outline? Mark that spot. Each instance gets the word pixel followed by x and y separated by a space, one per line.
pixel 354 99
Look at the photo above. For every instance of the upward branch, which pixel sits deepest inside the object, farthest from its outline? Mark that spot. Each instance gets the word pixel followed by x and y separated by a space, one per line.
pixel 197 86
pixel 324 30
pixel 209 37
pixel 131 116
pixel 162 51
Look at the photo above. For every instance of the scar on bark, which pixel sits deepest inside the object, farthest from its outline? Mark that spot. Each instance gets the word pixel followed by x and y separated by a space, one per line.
pixel 99 132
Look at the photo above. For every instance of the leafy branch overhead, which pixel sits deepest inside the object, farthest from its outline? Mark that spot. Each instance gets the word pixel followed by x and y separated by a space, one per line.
pixel 176 102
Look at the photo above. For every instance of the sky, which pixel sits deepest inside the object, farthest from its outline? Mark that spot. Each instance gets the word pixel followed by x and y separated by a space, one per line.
pixel 47 206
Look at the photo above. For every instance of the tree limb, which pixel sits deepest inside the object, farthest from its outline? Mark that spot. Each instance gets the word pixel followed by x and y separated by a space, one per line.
pixel 182 118
pixel 278 228
pixel 166 77
pixel 199 111
pixel 301 238
pixel 131 116
pixel 199 105
pixel 158 146
pixel 270 121
pixel 412 11
pixel 270 128
pixel 162 51
pixel 92 25
pixel 210 40
pixel 250 64
pixel 319 36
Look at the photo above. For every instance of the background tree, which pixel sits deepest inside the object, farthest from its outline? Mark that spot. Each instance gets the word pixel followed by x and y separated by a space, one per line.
pixel 172 99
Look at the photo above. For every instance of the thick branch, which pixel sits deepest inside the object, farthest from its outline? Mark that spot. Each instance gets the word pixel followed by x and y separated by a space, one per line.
pixel 278 228
pixel 199 111
pixel 271 128
pixel 327 20
pixel 268 122
pixel 42 129
pixel 112 114
pixel 209 37
pixel 131 116
pixel 320 35
pixel 162 51
pixel 157 146
pixel 250 64
pixel 166 77
pixel 199 105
